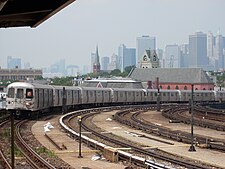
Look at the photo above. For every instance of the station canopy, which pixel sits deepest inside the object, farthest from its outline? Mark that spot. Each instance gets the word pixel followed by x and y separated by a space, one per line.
pixel 17 13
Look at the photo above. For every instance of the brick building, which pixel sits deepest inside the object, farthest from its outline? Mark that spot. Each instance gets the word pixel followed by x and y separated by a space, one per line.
pixel 173 78
pixel 19 74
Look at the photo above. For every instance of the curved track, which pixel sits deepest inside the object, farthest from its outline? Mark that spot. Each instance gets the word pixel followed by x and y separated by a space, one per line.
pixel 155 154
pixel 139 123
pixel 3 160
pixel 35 160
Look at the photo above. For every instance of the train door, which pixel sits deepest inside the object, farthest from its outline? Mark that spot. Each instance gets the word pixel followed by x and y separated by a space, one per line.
pixel 19 97
pixel 37 98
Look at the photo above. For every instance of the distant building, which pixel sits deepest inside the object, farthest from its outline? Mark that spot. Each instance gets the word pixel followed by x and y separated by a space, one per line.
pixel 104 63
pixel 19 74
pixel 149 59
pixel 173 78
pixel 114 63
pixel 93 55
pixel 112 83
pixel 96 64
pixel 86 69
pixel 27 65
pixel 127 56
pixel 144 43
pixel 172 56
pixel 13 63
pixel 72 70
pixel 58 67
pixel 210 49
pixel 198 50
pixel 219 46
pixel 184 55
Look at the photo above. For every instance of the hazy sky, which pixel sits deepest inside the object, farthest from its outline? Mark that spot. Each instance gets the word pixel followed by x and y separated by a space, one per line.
pixel 74 32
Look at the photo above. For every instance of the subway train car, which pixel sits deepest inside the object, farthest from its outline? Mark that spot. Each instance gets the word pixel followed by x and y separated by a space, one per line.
pixel 166 96
pixel 27 99
pixel 128 96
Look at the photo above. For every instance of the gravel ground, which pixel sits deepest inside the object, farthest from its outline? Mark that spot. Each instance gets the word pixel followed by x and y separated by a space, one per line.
pixel 20 162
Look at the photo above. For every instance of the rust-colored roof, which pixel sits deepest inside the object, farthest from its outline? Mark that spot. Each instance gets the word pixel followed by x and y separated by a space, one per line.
pixel 17 13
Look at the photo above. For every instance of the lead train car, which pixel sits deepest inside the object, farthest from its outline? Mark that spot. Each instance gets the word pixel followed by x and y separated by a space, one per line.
pixel 27 98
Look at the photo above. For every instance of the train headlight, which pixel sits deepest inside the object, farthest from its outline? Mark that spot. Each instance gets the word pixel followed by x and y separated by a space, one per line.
pixel 27 104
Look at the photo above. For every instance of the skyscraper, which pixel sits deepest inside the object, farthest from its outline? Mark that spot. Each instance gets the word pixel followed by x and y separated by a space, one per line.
pixel 219 50
pixel 127 56
pixel 184 55
pixel 114 64
pixel 13 63
pixel 104 63
pixel 198 50
pixel 144 43
pixel 210 45
pixel 172 56
pixel 96 65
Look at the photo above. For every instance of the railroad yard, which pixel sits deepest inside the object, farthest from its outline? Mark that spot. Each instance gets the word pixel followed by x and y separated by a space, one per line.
pixel 162 141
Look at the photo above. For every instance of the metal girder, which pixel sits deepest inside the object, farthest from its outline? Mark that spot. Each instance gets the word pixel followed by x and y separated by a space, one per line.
pixel 15 13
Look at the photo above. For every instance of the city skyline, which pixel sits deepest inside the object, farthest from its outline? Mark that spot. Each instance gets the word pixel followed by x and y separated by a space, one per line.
pixel 73 33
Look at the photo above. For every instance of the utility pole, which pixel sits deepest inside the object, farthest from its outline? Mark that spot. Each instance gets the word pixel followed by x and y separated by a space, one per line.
pixel 192 148
pixel 12 140
pixel 158 95
pixel 79 122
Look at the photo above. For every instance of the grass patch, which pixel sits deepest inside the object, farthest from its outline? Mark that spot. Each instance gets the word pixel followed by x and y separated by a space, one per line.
pixel 43 150
pixel 5 133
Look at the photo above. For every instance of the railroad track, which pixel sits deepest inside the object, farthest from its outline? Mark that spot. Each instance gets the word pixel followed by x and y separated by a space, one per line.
pixel 35 160
pixel 4 162
pixel 86 114
pixel 177 135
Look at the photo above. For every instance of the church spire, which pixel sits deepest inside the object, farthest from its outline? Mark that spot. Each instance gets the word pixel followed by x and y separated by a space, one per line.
pixel 96 66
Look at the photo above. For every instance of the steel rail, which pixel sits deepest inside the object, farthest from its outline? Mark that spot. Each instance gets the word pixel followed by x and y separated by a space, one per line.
pixel 34 159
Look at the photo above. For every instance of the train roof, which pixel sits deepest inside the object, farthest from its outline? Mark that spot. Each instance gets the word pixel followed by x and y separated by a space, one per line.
pixel 28 85
pixel 15 13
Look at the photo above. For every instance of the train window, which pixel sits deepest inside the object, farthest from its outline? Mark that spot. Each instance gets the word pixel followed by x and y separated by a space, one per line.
pixel 29 93
pixel 185 87
pixel 164 94
pixel 172 94
pixel 11 92
pixel 156 94
pixel 19 94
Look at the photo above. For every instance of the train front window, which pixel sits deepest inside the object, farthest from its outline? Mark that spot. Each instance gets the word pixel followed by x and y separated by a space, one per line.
pixel 19 94
pixel 29 93
pixel 11 92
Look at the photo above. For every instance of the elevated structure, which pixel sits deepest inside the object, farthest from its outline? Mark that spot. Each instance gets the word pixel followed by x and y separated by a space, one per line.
pixel 17 13
pixel 173 78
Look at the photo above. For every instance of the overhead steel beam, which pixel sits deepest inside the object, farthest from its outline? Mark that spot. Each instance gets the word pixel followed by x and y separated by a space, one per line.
pixel 53 12
pixel 2 4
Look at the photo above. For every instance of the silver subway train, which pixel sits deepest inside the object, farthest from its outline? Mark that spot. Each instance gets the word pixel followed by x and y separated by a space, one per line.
pixel 27 99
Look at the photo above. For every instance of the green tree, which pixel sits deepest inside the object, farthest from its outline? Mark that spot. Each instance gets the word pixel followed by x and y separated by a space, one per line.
pixel 115 72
